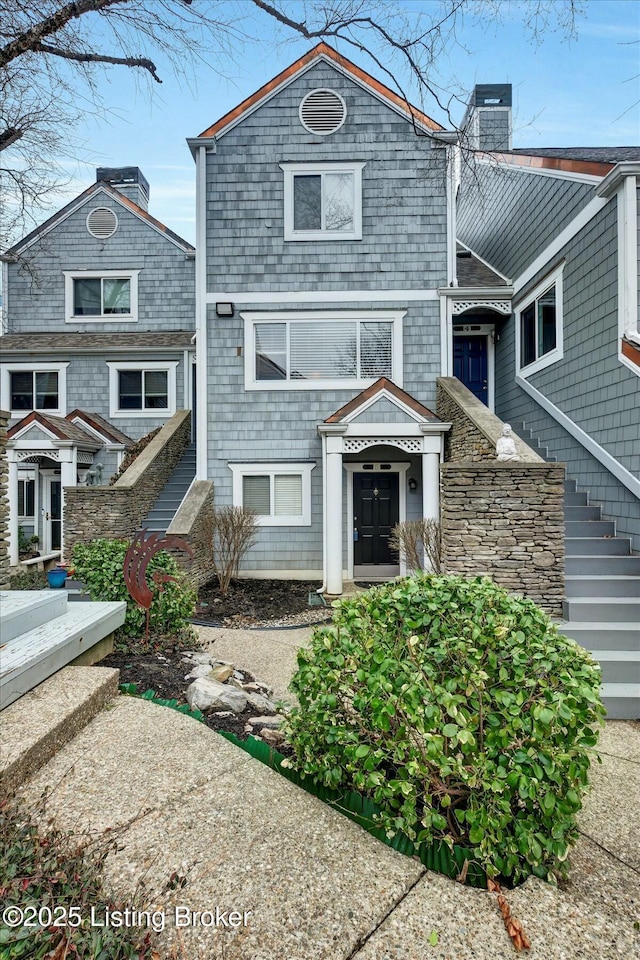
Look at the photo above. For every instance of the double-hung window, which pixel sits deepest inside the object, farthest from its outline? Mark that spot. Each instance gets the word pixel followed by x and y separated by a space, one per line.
pixel 539 326
pixel 107 296
pixel 322 201
pixel 279 494
pixel 34 386
pixel 316 349
pixel 142 389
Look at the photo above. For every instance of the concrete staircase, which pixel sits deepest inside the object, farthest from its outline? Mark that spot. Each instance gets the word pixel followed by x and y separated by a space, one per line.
pixel 602 582
pixel 164 509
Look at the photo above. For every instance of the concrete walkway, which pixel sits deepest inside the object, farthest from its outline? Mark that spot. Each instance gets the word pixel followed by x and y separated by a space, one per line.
pixel 300 881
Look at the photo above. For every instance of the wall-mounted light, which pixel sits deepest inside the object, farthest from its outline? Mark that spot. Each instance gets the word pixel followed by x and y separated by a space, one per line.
pixel 224 309
pixel 412 483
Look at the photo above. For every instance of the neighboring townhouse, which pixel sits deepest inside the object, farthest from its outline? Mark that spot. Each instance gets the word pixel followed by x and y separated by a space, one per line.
pixel 562 226
pixel 325 280
pixel 97 346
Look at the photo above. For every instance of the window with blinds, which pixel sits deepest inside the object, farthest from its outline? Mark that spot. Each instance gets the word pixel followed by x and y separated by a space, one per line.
pixel 273 495
pixel 326 350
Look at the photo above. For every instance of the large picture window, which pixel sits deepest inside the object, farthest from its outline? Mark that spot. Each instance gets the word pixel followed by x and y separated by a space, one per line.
pixel 313 350
pixel 108 296
pixel 323 201
pixel 142 390
pixel 278 494
pixel 539 326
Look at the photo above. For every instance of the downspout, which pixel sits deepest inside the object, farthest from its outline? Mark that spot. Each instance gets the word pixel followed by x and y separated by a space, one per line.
pixel 201 315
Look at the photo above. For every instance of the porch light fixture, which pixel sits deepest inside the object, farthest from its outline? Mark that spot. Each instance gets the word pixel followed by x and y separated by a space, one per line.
pixel 224 309
pixel 412 483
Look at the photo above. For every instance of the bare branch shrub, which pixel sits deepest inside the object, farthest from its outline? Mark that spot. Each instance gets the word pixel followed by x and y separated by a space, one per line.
pixel 231 532
pixel 418 544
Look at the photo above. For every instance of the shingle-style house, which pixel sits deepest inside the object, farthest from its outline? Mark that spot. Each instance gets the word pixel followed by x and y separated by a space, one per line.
pixel 97 345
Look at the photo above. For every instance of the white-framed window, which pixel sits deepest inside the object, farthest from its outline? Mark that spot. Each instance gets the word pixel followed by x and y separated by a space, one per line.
pixel 322 201
pixel 34 386
pixel 26 495
pixel 142 389
pixel 317 349
pixel 539 326
pixel 104 296
pixel 278 493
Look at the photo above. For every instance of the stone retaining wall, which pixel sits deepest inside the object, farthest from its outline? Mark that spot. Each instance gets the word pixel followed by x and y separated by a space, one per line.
pixel 503 520
pixel 506 520
pixel 193 522
pixel 474 428
pixel 118 511
pixel 4 503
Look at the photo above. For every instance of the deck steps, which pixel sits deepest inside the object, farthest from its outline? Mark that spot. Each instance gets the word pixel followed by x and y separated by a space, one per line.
pixel 55 634
pixel 602 583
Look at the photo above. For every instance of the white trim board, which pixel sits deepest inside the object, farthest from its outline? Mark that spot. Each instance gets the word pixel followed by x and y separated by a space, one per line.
pixel 610 463
pixel 320 296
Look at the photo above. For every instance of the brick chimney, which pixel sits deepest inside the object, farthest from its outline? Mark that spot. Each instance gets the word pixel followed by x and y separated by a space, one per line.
pixel 129 181
pixel 487 122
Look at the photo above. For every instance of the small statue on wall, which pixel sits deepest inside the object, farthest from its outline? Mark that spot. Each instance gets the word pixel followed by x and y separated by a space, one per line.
pixel 506 445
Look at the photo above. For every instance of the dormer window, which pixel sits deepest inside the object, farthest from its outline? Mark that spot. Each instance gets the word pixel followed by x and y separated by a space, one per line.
pixel 322 201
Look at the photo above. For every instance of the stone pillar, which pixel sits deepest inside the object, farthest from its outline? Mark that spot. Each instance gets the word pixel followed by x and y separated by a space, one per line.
pixel 333 507
pixel 431 485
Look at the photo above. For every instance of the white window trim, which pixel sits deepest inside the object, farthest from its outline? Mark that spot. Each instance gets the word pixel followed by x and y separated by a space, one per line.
pixel 240 470
pixel 5 387
pixel 555 277
pixel 23 477
pixel 71 275
pixel 157 413
pixel 290 169
pixel 309 316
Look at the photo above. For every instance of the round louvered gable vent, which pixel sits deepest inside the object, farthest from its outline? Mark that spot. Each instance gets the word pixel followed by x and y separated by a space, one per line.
pixel 102 223
pixel 323 112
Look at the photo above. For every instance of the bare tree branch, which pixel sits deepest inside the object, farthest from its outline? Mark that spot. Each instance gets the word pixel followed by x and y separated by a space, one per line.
pixel 143 62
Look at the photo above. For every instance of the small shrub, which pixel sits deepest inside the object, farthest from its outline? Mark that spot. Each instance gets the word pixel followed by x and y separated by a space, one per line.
pixel 460 710
pixel 418 544
pixel 29 580
pixel 232 531
pixel 99 565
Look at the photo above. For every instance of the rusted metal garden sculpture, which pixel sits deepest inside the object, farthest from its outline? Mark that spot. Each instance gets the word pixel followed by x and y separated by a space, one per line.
pixel 141 551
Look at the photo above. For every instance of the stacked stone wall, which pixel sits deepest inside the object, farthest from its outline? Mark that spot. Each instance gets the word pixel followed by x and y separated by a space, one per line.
pixel 118 510
pixel 193 523
pixel 4 503
pixel 506 520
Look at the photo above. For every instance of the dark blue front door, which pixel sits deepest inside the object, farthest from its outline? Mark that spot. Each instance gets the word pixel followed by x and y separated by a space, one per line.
pixel 470 364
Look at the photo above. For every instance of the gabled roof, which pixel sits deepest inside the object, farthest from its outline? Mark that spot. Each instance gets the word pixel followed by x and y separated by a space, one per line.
pixel 58 427
pixel 83 342
pixel 97 422
pixel 382 387
pixel 320 52
pixel 96 188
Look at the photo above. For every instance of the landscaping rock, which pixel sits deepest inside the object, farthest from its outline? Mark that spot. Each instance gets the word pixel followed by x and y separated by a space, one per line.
pixel 197 656
pixel 205 694
pixel 271 736
pixel 272 722
pixel 221 672
pixel 202 670
pixel 259 702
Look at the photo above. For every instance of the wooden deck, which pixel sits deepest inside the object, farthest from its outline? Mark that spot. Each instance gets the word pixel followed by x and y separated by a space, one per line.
pixel 40 633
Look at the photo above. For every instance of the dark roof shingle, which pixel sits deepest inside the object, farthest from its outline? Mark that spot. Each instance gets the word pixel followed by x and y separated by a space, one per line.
pixel 81 342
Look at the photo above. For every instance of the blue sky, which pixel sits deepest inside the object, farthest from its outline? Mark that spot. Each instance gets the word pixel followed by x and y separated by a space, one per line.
pixel 582 91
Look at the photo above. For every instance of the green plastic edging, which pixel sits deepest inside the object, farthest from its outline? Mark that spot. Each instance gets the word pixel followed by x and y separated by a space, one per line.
pixel 434 856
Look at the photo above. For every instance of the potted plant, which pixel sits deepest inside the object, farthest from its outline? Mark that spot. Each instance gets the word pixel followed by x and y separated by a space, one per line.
pixel 57 577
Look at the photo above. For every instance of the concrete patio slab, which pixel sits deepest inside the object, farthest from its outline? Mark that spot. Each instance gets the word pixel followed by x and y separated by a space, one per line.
pixel 618 832
pixel 57 710
pixel 621 738
pixel 134 757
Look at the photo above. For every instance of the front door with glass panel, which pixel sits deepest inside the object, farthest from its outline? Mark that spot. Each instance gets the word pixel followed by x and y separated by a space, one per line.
pixel 375 514
pixel 52 514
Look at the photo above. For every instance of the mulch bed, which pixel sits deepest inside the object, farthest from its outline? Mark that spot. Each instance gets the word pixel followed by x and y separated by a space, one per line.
pixel 259 603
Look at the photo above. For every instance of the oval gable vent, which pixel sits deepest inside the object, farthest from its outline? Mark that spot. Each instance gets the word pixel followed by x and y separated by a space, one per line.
pixel 323 112
pixel 102 223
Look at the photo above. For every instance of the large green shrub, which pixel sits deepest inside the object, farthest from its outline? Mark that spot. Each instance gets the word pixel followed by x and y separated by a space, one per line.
pixel 460 710
pixel 99 565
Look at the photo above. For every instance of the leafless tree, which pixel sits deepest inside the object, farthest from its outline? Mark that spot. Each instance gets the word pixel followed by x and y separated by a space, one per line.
pixel 54 54
pixel 418 544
